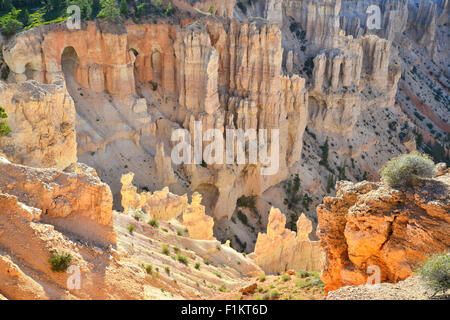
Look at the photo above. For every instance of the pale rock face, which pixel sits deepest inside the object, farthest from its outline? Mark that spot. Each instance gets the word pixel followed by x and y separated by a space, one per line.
pixel 406 227
pixel 320 20
pixel 199 225
pixel 198 62
pixel 281 249
pixel 164 166
pixel 393 20
pixel 163 205
pixel 274 11
pixel 78 203
pixel 42 120
pixel 131 199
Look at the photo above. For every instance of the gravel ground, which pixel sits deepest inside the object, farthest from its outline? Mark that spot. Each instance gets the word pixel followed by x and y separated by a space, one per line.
pixel 409 289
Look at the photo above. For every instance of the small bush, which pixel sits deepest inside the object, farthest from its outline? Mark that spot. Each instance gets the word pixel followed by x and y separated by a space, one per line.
pixel 4 128
pixel 262 278
pixel 275 294
pixel 408 169
pixel 197 266
pixel 436 273
pixel 167 269
pixel 60 262
pixel 148 268
pixel 131 228
pixel 182 259
pixel 285 278
pixel 165 250
pixel 154 223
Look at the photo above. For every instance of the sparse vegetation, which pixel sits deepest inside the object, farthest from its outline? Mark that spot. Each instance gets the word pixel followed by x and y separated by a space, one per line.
pixel 182 259
pixel 408 169
pixel 148 268
pixel 4 127
pixel 436 273
pixel 60 262
pixel 154 223
pixel 197 266
pixel 131 228
pixel 165 249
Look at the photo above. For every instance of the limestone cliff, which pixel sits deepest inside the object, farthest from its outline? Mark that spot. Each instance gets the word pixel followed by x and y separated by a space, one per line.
pixel 42 117
pixel 74 200
pixel 369 224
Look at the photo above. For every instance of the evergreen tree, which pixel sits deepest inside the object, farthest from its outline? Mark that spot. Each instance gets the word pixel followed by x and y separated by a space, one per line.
pixel 24 17
pixel 109 10
pixel 123 7
pixel 96 7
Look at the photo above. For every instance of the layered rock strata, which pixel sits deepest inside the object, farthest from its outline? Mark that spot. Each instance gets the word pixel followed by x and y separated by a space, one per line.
pixel 369 227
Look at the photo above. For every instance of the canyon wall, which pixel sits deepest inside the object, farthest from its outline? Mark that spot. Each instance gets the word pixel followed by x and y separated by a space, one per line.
pixel 42 117
pixel 224 74
pixel 74 201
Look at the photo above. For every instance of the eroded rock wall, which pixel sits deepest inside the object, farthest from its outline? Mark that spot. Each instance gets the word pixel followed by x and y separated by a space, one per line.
pixel 74 201
pixel 42 120
pixel 369 225
pixel 281 249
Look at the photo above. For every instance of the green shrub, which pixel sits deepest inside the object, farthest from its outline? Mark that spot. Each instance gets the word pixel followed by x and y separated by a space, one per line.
pixel 154 223
pixel 408 169
pixel 246 202
pixel 60 262
pixel 436 273
pixel 148 268
pixel 167 269
pixel 197 266
pixel 131 228
pixel 275 294
pixel 4 128
pixel 109 10
pixel 182 259
pixel 9 24
pixel 165 249
pixel 285 278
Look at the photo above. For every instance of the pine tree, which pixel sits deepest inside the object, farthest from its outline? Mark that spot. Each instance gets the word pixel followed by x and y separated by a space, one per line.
pixel 24 17
pixel 96 7
pixel 109 10
pixel 123 7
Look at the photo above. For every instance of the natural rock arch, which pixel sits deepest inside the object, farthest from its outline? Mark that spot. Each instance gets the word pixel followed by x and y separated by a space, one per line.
pixel 69 61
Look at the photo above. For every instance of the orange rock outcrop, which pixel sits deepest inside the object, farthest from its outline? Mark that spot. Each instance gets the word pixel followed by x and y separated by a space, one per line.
pixel 370 225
